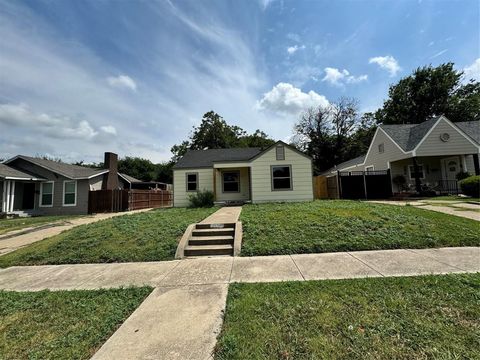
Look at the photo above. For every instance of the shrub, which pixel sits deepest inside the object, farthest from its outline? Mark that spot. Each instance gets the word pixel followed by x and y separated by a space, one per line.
pixel 462 175
pixel 471 186
pixel 203 198
pixel 400 181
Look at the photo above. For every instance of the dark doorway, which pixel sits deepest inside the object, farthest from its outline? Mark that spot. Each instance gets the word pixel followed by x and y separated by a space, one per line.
pixel 28 201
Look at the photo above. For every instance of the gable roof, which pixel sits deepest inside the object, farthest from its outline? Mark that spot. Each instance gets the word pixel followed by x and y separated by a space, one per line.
pixel 129 178
pixel 408 136
pixel 70 171
pixel 8 172
pixel 346 164
pixel 206 158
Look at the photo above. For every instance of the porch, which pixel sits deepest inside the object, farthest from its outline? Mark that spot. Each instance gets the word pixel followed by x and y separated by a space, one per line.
pixel 231 185
pixel 18 197
pixel 432 174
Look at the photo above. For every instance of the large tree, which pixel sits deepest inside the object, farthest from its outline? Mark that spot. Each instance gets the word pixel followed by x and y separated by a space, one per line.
pixel 431 91
pixel 215 133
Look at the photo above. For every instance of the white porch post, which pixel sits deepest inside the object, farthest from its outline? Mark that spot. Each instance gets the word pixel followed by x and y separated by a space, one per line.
pixel 4 197
pixel 464 163
pixel 12 197
pixel 7 196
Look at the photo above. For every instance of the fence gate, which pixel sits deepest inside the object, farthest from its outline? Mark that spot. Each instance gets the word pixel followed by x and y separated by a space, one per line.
pixel 365 184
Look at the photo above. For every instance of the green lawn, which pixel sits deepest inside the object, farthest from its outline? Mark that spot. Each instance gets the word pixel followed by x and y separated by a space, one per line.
pixel 147 236
pixel 453 198
pixel 7 225
pixel 340 225
pixel 431 317
pixel 62 324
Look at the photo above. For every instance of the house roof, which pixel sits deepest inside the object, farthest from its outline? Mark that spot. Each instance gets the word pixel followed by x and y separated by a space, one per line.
pixel 8 172
pixel 206 158
pixel 68 170
pixel 408 136
pixel 352 162
pixel 129 178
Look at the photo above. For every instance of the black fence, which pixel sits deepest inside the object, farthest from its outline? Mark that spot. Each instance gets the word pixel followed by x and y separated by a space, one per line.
pixel 365 184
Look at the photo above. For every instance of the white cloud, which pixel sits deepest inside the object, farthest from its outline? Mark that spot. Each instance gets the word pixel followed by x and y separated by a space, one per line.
pixel 441 52
pixel 388 63
pixel 472 71
pixel 287 99
pixel 264 4
pixel 109 129
pixel 341 77
pixel 53 126
pixel 293 49
pixel 293 37
pixel 122 82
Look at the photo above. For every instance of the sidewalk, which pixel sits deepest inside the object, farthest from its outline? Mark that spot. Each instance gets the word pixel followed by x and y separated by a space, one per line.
pixel 9 243
pixel 182 317
pixel 224 215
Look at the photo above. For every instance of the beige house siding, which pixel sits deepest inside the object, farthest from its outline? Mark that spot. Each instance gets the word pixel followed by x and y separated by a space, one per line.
pixel 302 184
pixel 243 194
pixel 380 160
pixel 180 194
pixel 458 144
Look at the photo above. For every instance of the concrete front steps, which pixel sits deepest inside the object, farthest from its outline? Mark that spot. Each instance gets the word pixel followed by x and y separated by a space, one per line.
pixel 209 240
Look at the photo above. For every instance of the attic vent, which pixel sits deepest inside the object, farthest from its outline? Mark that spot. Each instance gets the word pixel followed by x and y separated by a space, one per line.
pixel 381 148
pixel 445 137
pixel 280 152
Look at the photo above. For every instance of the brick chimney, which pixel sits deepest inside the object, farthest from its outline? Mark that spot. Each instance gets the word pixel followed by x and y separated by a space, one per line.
pixel 111 178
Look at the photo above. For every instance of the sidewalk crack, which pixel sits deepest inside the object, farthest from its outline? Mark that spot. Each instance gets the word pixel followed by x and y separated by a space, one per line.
pixel 364 263
pixel 303 277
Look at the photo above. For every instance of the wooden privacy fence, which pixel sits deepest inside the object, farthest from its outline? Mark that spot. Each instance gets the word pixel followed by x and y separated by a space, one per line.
pixel 325 187
pixel 101 201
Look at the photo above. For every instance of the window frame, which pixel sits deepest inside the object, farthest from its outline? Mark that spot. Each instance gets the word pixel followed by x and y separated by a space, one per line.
pixel 272 177
pixel 223 181
pixel 381 148
pixel 411 170
pixel 40 202
pixel 282 154
pixel 187 182
pixel 369 168
pixel 64 193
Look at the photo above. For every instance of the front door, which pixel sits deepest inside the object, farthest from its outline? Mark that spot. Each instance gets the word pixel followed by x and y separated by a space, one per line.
pixel 28 196
pixel 451 167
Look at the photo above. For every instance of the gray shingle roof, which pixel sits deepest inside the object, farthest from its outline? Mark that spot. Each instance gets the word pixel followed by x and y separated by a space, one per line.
pixel 471 128
pixel 129 178
pixel 355 161
pixel 8 172
pixel 408 136
pixel 206 158
pixel 67 170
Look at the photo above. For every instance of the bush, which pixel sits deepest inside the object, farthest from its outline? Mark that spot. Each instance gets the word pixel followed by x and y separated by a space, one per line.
pixel 400 181
pixel 471 186
pixel 462 175
pixel 203 198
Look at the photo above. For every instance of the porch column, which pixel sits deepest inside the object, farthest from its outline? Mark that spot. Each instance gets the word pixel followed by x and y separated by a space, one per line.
pixel 12 196
pixel 416 174
pixel 214 184
pixel 4 197
pixel 476 164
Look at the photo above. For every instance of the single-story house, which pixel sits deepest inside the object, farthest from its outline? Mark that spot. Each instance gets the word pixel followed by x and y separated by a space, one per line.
pixel 429 154
pixel 36 186
pixel 277 173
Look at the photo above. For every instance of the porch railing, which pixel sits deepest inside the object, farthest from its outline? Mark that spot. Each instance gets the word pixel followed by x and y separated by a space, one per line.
pixel 448 187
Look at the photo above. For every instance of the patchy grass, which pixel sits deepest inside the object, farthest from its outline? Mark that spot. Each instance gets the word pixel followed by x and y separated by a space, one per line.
pixel 7 225
pixel 430 317
pixel 339 225
pixel 147 236
pixel 453 198
pixel 62 324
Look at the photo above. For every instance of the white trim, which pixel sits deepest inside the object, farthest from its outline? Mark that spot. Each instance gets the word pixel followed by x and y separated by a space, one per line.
pixel 23 179
pixel 12 196
pixel 63 193
pixel 370 166
pixel 41 193
pixel 94 175
pixel 410 173
pixel 124 178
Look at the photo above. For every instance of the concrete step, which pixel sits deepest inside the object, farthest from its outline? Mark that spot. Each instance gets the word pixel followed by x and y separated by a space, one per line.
pixel 205 250
pixel 211 240
pixel 215 226
pixel 213 232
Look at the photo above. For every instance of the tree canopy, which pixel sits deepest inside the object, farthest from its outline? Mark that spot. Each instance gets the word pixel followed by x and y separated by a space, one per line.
pixel 431 91
pixel 215 133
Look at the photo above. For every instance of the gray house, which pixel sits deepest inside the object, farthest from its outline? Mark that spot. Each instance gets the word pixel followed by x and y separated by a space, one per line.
pixel 35 186
pixel 428 154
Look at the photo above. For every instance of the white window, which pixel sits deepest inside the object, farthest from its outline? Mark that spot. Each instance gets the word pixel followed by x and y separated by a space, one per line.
pixel 420 171
pixel 280 152
pixel 192 181
pixel 282 177
pixel 46 194
pixel 69 193
pixel 370 168
pixel 231 181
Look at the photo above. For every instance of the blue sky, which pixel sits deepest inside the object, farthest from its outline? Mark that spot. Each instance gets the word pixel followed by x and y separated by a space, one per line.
pixel 78 78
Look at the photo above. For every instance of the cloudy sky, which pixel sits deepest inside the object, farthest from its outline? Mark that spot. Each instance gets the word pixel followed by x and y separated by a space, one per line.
pixel 78 78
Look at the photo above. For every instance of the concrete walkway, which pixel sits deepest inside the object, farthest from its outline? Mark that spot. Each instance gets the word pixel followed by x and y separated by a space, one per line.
pixel 16 239
pixel 457 208
pixel 182 317
pixel 224 215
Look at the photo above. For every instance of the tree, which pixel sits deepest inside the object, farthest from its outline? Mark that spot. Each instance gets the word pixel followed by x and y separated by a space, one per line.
pixel 428 92
pixel 214 133
pixel 139 168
